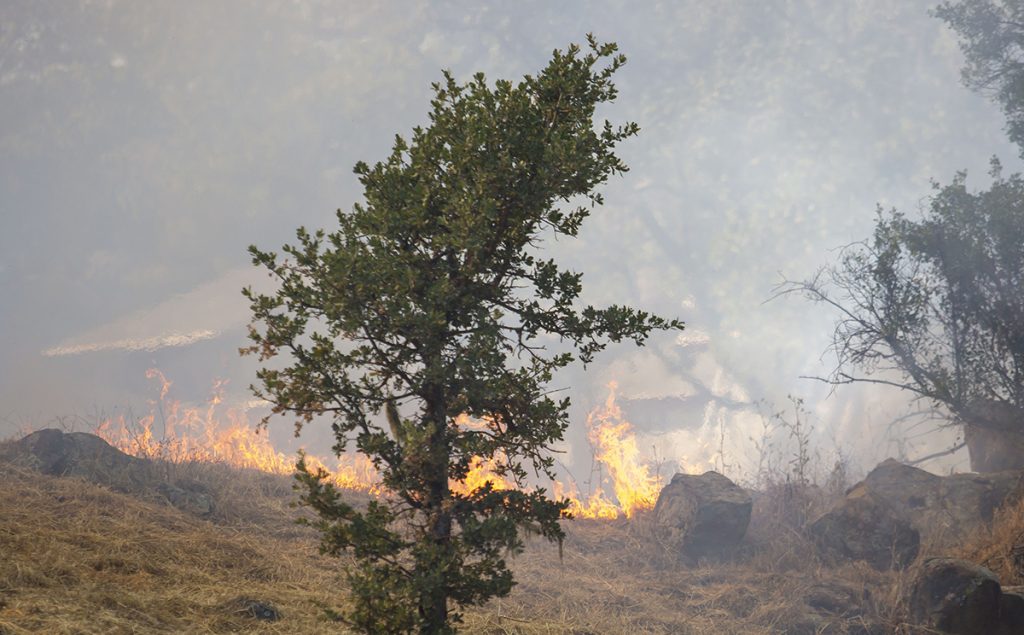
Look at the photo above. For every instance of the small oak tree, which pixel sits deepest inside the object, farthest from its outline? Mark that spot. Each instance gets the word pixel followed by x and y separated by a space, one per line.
pixel 430 301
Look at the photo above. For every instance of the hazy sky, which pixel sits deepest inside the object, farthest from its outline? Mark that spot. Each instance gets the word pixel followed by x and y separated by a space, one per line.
pixel 145 145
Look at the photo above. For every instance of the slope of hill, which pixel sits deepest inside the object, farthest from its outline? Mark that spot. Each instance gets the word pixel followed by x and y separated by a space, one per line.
pixel 81 558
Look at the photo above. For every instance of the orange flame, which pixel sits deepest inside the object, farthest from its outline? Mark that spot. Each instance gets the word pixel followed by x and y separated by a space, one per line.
pixel 481 470
pixel 635 487
pixel 615 448
pixel 218 434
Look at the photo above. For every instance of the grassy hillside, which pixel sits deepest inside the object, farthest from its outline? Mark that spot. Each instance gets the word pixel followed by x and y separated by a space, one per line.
pixel 79 558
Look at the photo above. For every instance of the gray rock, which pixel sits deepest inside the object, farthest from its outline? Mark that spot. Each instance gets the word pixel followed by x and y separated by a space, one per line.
pixel 944 510
pixel 865 528
pixel 994 436
pixel 256 609
pixel 830 597
pixel 703 516
pixel 906 489
pixel 955 596
pixel 80 454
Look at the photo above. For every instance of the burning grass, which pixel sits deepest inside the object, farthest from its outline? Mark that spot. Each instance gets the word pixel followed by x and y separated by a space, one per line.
pixel 79 558
pixel 174 433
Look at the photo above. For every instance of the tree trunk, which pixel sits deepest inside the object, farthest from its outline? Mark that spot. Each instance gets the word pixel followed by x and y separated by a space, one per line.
pixel 434 598
pixel 435 567
pixel 995 436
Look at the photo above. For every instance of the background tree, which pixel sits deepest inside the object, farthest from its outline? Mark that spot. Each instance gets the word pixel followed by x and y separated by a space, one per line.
pixel 936 305
pixel 992 39
pixel 431 301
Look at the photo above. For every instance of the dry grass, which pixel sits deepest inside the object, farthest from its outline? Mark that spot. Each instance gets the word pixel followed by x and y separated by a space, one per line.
pixel 1001 548
pixel 611 580
pixel 80 558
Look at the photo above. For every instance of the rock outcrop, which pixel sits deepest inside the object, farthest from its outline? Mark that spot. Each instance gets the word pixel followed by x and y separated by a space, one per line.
pixel 702 516
pixel 87 456
pixel 58 453
pixel 866 528
pixel 994 433
pixel 874 517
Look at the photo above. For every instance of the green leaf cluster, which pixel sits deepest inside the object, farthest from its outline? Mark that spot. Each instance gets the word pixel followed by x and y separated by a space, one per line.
pixel 992 39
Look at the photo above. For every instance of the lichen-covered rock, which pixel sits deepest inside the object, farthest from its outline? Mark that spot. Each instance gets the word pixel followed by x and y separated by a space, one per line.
pixel 955 596
pixel 865 528
pixel 702 516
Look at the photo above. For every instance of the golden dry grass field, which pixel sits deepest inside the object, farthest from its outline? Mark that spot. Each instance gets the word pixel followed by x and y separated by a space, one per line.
pixel 80 558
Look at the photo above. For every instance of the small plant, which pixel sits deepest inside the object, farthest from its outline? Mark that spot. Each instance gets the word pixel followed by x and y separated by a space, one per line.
pixel 785 469
pixel 800 433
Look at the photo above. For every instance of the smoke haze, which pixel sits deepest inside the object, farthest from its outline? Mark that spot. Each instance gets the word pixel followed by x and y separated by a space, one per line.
pixel 145 145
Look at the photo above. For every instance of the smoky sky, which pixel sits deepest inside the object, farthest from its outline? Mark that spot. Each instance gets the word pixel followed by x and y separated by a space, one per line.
pixel 144 146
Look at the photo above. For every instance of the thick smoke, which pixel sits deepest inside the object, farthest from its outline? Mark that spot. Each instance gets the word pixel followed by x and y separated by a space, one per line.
pixel 145 146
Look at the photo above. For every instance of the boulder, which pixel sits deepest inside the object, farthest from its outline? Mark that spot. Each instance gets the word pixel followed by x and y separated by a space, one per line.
pixel 955 596
pixel 944 510
pixel 905 488
pixel 994 450
pixel 866 528
pixel 702 516
pixel 87 456
pixel 80 454
pixel 1011 609
pixel 834 598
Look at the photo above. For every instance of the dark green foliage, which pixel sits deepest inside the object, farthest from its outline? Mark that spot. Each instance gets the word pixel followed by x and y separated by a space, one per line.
pixel 430 301
pixel 992 39
pixel 935 305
